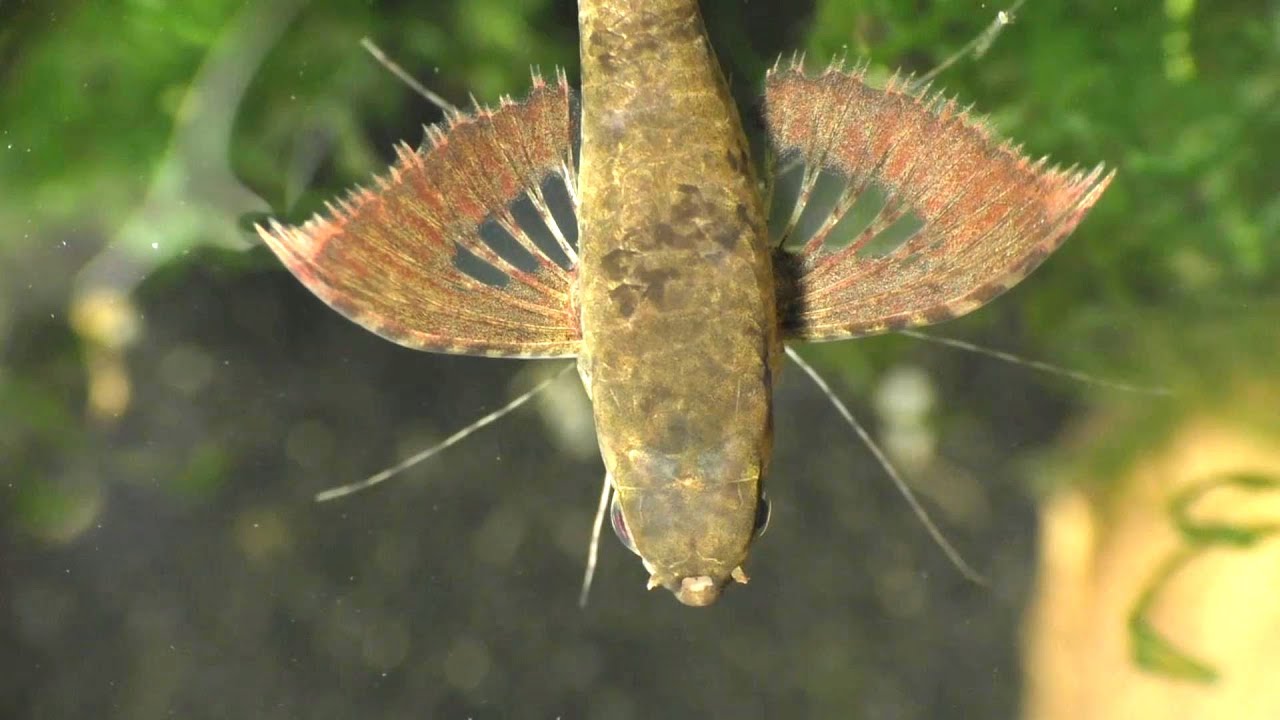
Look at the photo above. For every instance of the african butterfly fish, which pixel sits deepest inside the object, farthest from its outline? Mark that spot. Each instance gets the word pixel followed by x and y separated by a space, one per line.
pixel 676 301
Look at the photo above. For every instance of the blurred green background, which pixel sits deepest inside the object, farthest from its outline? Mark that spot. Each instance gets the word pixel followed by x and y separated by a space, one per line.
pixel 170 399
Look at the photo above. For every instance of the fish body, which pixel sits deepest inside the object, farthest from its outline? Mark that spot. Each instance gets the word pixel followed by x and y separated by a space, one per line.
pixel 680 338
pixel 677 302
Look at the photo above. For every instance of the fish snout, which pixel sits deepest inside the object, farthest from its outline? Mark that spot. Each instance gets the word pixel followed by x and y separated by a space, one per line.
pixel 697 591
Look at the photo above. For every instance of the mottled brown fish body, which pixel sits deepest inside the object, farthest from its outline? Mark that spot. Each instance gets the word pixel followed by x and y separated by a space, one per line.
pixel 671 306
pixel 676 293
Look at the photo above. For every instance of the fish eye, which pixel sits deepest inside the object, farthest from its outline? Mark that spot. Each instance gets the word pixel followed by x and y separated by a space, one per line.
pixel 762 514
pixel 620 525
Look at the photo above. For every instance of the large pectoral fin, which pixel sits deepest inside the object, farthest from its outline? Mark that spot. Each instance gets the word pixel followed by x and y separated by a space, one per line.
pixel 939 217
pixel 440 255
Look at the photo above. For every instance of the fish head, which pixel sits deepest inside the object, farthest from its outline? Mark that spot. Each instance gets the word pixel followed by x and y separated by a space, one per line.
pixel 691 519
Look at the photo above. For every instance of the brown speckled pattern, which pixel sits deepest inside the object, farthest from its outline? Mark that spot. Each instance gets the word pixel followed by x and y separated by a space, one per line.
pixel 678 316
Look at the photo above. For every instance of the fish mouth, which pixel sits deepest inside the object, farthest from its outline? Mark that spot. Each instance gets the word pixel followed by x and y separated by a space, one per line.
pixel 698 591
